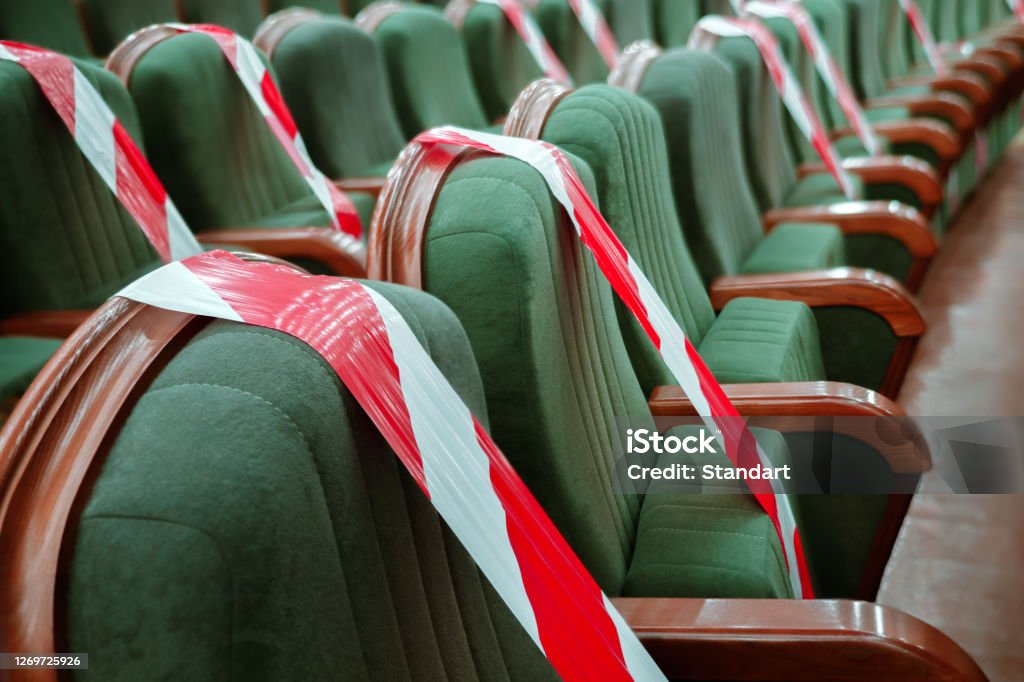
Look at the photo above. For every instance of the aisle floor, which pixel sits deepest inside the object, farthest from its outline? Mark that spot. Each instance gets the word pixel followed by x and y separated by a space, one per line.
pixel 959 561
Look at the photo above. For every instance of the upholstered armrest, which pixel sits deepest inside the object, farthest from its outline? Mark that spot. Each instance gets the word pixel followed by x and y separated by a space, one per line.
pixel 46 323
pixel 794 407
pixel 848 287
pixel 343 254
pixel 372 186
pixel 900 222
pixel 793 640
pixel 938 104
pixel 907 171
pixel 970 85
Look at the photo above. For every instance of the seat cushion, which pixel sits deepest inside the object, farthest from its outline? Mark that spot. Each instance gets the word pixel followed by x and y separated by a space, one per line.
pixel 21 358
pixel 308 211
pixel 792 247
pixel 756 340
pixel 705 544
pixel 819 189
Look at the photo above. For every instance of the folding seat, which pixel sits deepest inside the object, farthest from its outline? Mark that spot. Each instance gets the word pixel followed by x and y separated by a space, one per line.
pixel 620 137
pixel 47 23
pixel 332 76
pixel 241 16
pixel 499 60
pixel 217 156
pixel 427 67
pixel 108 22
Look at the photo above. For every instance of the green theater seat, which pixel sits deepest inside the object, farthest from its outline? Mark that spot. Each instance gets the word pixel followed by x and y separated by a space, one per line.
pixel 620 137
pixel 427 66
pixel 108 22
pixel 241 16
pixel 21 358
pixel 250 514
pixel 47 23
pixel 211 146
pixel 333 78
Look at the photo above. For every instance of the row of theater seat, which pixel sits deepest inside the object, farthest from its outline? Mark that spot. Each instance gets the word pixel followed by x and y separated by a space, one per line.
pixel 245 456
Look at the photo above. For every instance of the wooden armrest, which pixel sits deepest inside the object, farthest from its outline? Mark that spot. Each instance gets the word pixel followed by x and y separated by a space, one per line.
pixel 907 171
pixel 46 323
pixel 890 218
pixel 946 142
pixel 986 66
pixel 941 104
pixel 798 407
pixel 793 640
pixel 967 84
pixel 372 186
pixel 1008 56
pixel 343 254
pixel 849 287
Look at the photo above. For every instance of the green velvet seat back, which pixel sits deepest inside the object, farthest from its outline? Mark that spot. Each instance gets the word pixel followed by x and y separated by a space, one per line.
pixel 333 78
pixel 241 16
pixel 65 240
pixel 629 20
pixel 544 331
pixel 429 73
pixel 251 515
pixel 620 137
pixel 500 62
pixel 770 163
pixel 570 43
pixel 866 41
pixel 209 143
pixel 111 21
pixel 674 21
pixel 695 95
pixel 325 6
pixel 833 21
pixel 47 23
pixel 802 65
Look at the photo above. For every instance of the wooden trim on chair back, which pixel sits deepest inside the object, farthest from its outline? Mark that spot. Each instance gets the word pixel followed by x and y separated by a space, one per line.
pixel 129 51
pixel 51 448
pixel 629 73
pixel 457 10
pixel 532 108
pixel 279 24
pixel 400 221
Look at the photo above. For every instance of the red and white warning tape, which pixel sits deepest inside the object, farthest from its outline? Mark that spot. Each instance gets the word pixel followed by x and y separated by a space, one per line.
pixel 596 28
pixel 1017 7
pixel 834 78
pixel 534 40
pixel 452 458
pixel 707 32
pixel 640 297
pixel 924 36
pixel 264 93
pixel 107 146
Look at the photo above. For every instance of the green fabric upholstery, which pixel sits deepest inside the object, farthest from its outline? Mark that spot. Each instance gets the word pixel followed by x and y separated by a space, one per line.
pixel 819 189
pixel 241 16
pixel 21 358
pixel 46 23
pixel 429 73
pixel 555 369
pixel 743 559
pixel 65 240
pixel 570 43
pixel 674 21
pixel 211 146
pixel 500 62
pixel 345 572
pixel 759 341
pixel 792 247
pixel 325 6
pixel 334 81
pixel 620 137
pixel 111 21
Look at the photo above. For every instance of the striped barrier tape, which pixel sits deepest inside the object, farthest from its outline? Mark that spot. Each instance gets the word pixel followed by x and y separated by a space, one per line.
pixel 639 296
pixel 449 454
pixel 107 146
pixel 596 28
pixel 924 35
pixel 534 40
pixel 834 78
pixel 1017 7
pixel 260 86
pixel 707 32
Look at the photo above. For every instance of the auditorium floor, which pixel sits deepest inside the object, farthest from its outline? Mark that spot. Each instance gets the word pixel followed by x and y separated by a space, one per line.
pixel 959 560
